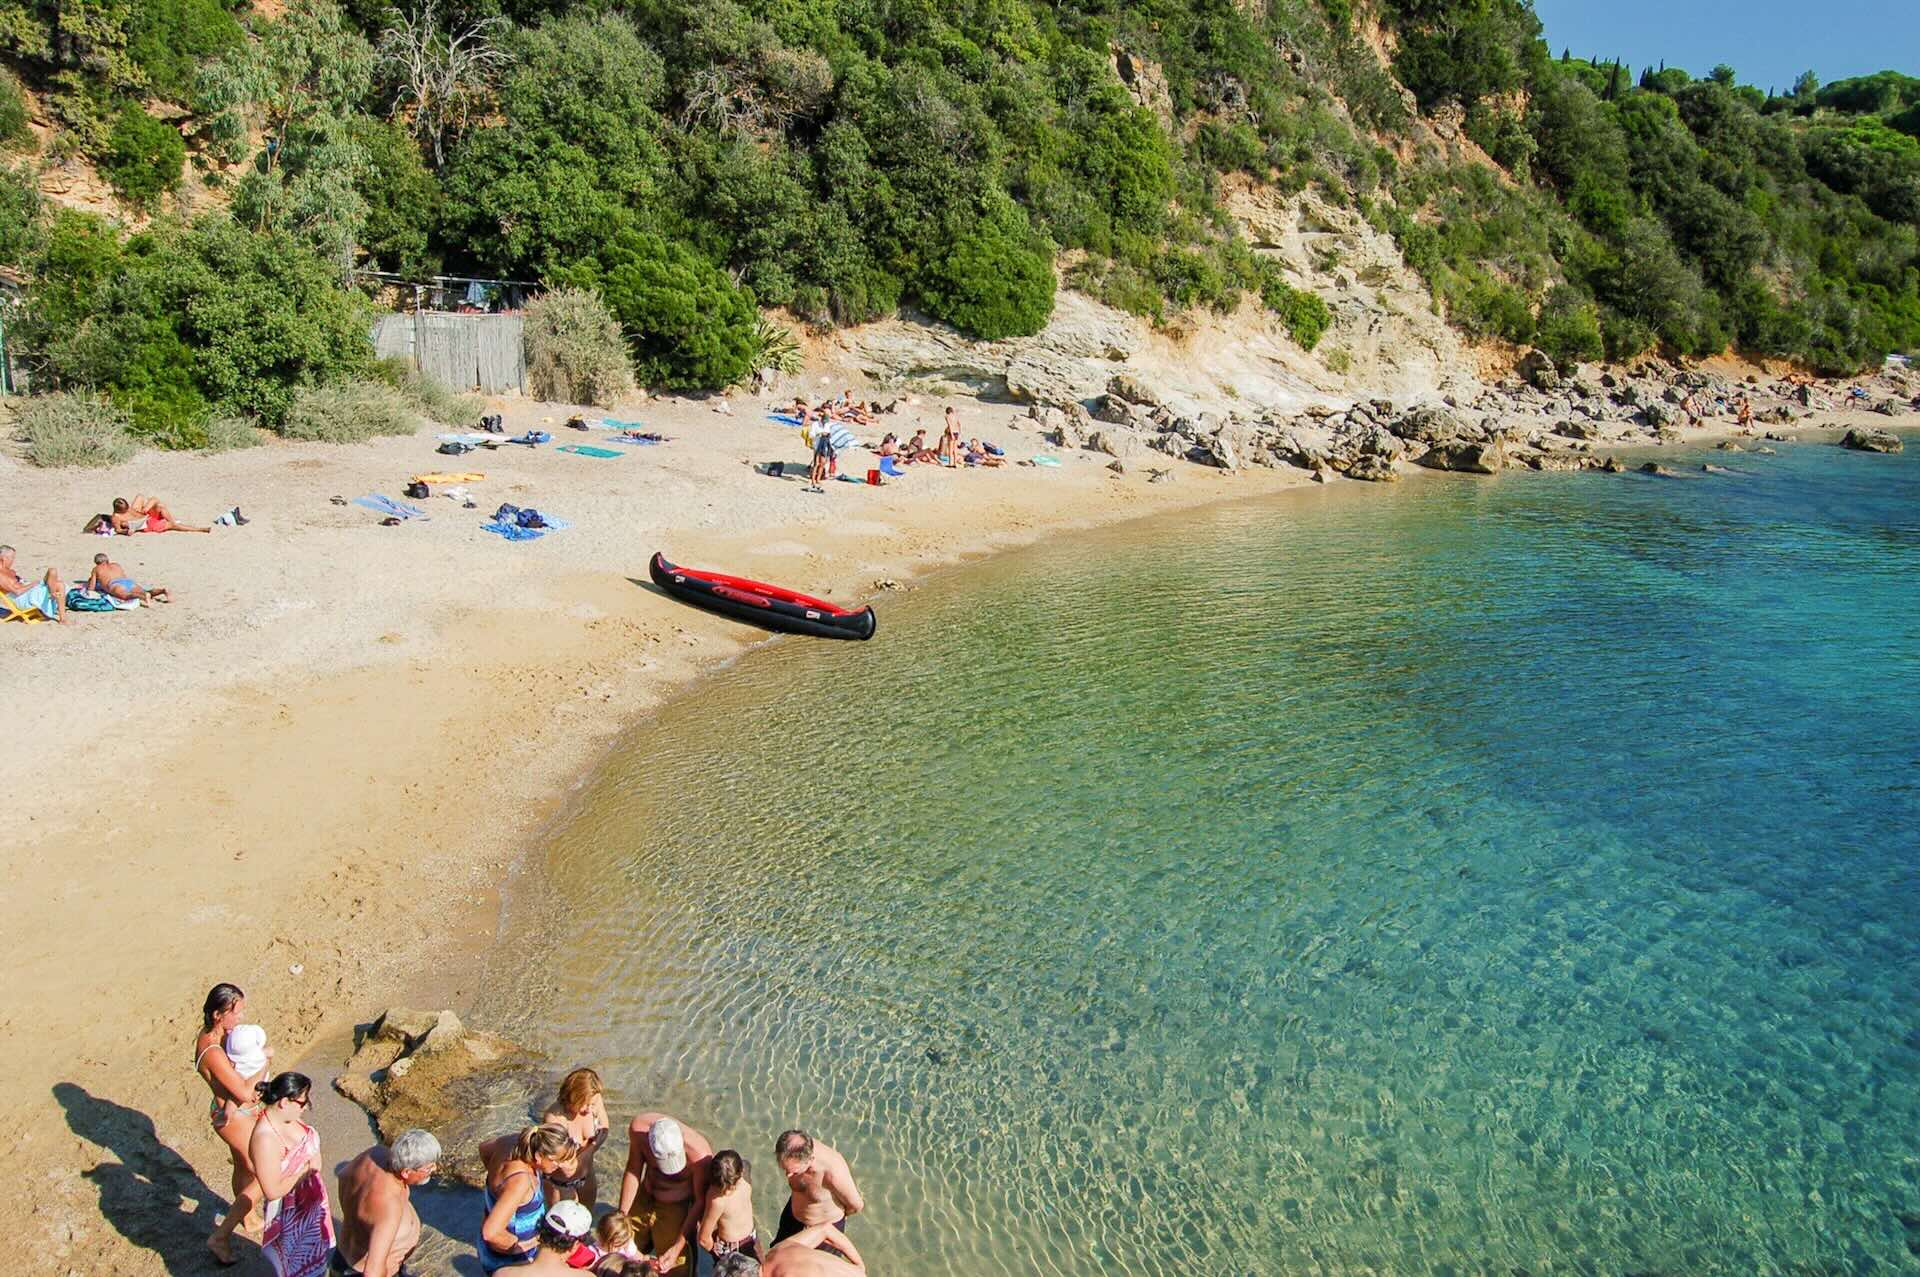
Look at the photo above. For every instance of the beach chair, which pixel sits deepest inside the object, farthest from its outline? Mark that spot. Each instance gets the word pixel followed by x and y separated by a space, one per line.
pixel 14 612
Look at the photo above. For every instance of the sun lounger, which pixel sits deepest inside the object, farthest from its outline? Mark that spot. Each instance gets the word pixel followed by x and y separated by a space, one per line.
pixel 31 610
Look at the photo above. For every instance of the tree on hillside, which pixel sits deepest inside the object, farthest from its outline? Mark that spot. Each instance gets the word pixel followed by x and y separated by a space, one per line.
pixel 443 74
pixel 299 80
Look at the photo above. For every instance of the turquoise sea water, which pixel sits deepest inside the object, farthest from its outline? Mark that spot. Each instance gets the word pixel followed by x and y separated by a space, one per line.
pixel 1512 876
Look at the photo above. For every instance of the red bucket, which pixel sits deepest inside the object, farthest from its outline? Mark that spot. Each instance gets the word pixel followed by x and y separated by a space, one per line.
pixel 873 477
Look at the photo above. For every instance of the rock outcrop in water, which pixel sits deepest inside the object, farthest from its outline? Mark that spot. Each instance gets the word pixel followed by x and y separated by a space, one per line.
pixel 427 1069
pixel 1868 440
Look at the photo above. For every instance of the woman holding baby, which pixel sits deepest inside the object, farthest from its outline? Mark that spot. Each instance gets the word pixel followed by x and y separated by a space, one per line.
pixel 232 1057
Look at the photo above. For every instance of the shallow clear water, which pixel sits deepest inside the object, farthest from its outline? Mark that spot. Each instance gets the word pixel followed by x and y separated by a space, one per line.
pixel 1467 877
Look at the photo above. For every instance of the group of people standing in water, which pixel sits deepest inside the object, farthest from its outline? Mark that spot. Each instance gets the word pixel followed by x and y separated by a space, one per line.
pixel 684 1209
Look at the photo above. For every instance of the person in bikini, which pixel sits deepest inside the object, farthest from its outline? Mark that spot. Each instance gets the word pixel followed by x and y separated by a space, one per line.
pixel 379 1227
pixel 582 1109
pixel 235 1108
pixel 917 450
pixel 46 596
pixel 819 1251
pixel 821 1184
pixel 664 1187
pixel 145 514
pixel 950 440
pixel 111 579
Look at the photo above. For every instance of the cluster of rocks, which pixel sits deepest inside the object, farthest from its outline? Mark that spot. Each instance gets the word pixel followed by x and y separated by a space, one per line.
pixel 427 1069
pixel 1540 420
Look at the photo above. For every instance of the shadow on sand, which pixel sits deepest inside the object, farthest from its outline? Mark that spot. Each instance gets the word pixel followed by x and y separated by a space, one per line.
pixel 150 1195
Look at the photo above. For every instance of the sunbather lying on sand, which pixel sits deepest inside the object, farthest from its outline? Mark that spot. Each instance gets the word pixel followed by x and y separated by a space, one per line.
pixel 44 596
pixel 112 579
pixel 146 514
pixel 979 456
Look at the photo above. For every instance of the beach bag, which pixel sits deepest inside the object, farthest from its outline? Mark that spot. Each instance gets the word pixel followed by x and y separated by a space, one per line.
pixel 492 424
pixel 453 447
pixel 79 600
pixel 530 519
pixel 418 490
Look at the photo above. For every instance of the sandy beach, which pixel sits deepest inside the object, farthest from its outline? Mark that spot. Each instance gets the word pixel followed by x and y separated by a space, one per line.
pixel 310 773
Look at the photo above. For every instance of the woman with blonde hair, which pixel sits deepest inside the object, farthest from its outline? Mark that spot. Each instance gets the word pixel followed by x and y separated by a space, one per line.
pixel 580 1110
pixel 515 1198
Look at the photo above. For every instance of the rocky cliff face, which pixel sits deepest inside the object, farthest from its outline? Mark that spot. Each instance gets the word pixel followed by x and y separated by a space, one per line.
pixel 1385 340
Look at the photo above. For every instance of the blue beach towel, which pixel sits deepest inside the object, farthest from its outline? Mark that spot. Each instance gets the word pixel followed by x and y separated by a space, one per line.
pixel 513 531
pixel 533 437
pixel 1046 461
pixel 389 507
pixel 848 478
pixel 889 467
pixel 784 418
pixel 588 450
pixel 614 423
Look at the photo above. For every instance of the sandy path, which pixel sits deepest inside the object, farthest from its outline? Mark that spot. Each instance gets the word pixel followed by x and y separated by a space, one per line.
pixel 309 774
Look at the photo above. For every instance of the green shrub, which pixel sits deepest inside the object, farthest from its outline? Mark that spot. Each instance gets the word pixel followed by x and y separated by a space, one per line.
pixel 575 353
pixel 1568 329
pixel 349 412
pixel 143 157
pixel 230 434
pixel 434 401
pixel 13 112
pixel 995 280
pixel 74 429
pixel 1306 317
pixel 690 327
pixel 776 348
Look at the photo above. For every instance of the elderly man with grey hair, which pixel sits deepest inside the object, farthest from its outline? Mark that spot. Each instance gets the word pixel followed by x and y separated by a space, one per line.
pixel 44 596
pixel 379 1227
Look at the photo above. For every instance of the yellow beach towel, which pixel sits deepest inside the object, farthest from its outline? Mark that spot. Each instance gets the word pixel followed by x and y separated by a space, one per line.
pixel 448 478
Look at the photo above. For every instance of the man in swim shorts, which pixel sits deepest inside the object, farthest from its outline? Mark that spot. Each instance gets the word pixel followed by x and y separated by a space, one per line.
pixel 823 1191
pixel 664 1188
pixel 45 596
pixel 112 579
pixel 819 1251
pixel 379 1227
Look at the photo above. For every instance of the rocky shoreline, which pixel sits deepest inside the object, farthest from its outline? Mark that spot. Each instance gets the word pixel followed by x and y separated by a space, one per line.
pixel 1537 420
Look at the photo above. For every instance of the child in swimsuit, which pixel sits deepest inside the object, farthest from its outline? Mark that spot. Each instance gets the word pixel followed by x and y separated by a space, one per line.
pixel 614 1236
pixel 727 1224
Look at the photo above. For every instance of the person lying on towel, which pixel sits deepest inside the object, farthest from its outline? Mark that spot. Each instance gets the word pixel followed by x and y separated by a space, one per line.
pixel 146 514
pixel 111 579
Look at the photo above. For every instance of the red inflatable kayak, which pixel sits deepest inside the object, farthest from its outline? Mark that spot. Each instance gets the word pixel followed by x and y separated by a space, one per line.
pixel 757 603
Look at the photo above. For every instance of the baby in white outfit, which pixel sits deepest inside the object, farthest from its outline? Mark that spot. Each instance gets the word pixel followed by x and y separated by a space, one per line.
pixel 246 1046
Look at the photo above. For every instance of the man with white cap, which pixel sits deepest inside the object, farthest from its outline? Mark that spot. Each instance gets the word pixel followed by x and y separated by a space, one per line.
pixel 378 1225
pixel 664 1188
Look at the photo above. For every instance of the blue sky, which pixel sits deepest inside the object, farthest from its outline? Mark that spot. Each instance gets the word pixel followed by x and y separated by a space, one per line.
pixel 1768 42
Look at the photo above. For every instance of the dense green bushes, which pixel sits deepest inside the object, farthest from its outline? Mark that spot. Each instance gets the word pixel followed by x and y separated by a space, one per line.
pixel 143 157
pixel 689 326
pixel 995 280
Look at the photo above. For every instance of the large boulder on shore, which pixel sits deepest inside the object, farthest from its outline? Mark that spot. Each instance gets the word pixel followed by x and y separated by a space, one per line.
pixel 1373 468
pixel 1538 370
pixel 1465 456
pixel 1116 443
pixel 1428 424
pixel 427 1069
pixel 1868 440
